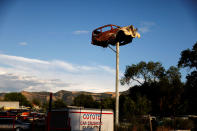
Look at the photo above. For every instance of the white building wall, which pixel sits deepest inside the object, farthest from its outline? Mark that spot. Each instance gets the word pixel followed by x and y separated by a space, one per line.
pixel 9 104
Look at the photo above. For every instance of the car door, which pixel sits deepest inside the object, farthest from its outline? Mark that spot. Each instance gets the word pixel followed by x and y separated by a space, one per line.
pixel 6 123
pixel 106 33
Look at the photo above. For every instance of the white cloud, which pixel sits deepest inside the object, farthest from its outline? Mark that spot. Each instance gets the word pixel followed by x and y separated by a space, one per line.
pixel 63 65
pixel 108 69
pixel 78 32
pixel 20 73
pixel 10 59
pixel 12 82
pixel 146 26
pixel 23 43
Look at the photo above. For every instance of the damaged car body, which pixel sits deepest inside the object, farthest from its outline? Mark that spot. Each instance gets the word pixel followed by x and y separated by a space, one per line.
pixel 111 34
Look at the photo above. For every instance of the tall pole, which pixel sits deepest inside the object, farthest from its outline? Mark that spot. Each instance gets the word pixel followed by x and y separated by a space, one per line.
pixel 117 84
pixel 50 102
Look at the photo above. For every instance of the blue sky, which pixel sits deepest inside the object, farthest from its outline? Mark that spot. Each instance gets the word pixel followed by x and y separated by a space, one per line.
pixel 46 45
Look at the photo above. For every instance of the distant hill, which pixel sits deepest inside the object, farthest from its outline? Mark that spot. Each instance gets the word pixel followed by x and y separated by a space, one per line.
pixel 67 96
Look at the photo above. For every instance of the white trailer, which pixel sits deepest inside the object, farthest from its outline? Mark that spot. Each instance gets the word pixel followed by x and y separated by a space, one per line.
pixel 80 119
pixel 95 119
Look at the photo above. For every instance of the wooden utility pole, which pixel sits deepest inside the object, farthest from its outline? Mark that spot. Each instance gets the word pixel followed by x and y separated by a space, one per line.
pixel 117 84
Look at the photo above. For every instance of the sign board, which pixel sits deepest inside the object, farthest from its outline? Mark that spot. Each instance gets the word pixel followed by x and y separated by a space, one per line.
pixel 81 119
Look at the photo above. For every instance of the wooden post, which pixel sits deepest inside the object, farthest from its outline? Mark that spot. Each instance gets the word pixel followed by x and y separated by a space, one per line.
pixel 49 112
pixel 117 84
pixel 50 102
pixel 150 122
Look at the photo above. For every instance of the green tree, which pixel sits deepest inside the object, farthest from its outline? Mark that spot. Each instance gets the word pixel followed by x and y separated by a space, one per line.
pixel 17 97
pixel 36 102
pixel 174 76
pixel 108 103
pixel 143 72
pixel 127 108
pixel 143 105
pixel 45 106
pixel 85 101
pixel 189 60
pixel 59 103
pixel 130 108
pixel 166 86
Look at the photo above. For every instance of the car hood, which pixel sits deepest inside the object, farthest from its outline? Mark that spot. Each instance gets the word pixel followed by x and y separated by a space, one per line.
pixel 130 30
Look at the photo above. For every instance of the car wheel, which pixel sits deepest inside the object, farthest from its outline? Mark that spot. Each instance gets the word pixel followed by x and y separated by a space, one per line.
pixel 18 129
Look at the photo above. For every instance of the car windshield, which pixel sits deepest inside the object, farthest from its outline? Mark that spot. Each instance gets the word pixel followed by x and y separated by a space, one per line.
pixel 97 31
pixel 106 28
pixel 114 27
